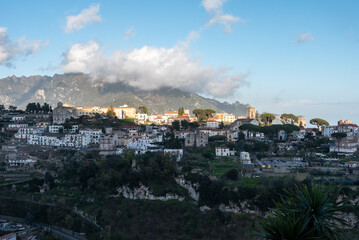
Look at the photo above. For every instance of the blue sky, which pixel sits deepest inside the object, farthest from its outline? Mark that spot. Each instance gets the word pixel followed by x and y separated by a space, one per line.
pixel 297 57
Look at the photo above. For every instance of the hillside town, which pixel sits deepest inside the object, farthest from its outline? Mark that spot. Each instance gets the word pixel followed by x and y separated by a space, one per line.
pixel 39 139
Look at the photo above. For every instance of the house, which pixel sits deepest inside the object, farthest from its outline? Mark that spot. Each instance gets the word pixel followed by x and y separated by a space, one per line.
pixel 93 133
pixel 171 114
pixel 56 129
pixel 351 164
pixel 348 128
pixel 224 151
pixel 245 158
pixel 22 133
pixel 181 134
pixel 10 236
pixel 177 153
pixel 328 131
pixel 109 142
pixel 16 126
pixel 198 139
pixel 18 118
pixel 212 124
pixel 61 113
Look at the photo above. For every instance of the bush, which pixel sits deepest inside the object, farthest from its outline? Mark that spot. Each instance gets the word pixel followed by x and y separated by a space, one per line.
pixel 232 174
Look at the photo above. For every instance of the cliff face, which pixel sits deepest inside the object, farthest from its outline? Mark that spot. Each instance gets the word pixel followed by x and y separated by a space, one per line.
pixel 78 89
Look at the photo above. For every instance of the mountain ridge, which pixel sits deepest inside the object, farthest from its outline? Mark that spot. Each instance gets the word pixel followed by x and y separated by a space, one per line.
pixel 78 89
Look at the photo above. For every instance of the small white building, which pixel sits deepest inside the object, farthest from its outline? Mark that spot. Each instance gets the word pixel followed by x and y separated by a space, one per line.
pixel 18 118
pixel 212 124
pixel 224 151
pixel 245 158
pixel 141 116
pixel 93 133
pixel 22 133
pixel 328 131
pixel 56 128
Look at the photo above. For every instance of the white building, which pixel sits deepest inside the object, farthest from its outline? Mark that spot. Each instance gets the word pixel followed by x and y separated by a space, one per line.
pixel 245 158
pixel 328 131
pixel 212 124
pixel 77 140
pixel 224 151
pixel 18 118
pixel 141 116
pixel 56 128
pixel 16 126
pixel 22 133
pixel 93 133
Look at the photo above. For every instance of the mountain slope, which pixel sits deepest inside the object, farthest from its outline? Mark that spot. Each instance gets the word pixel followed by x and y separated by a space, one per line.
pixel 78 89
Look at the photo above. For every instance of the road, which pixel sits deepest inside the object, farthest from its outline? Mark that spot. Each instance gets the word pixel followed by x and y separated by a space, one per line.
pixel 46 227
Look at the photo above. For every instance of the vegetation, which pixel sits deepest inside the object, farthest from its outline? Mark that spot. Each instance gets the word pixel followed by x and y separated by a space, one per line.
pixel 111 112
pixel 143 109
pixel 319 122
pixel 203 114
pixel 289 118
pixel 37 108
pixel 267 118
pixel 180 111
pixel 306 213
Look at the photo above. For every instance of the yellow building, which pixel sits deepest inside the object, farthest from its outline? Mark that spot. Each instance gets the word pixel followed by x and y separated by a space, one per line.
pixel 121 112
pixel 251 113
pixel 301 121
pixel 224 117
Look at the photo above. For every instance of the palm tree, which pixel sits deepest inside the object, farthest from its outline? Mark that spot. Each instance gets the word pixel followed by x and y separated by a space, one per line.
pixel 306 213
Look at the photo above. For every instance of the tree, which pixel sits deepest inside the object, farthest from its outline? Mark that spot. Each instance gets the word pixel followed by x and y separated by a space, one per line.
pixel 111 112
pixel 267 118
pixel 203 114
pixel 289 118
pixel 12 108
pixel 180 111
pixel 319 122
pixel 232 174
pixel 69 221
pixel 143 109
pixel 184 124
pixel 306 213
pixel 209 113
pixel 2 107
pixel 176 125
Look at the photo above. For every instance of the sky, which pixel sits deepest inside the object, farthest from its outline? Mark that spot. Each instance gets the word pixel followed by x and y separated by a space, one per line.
pixel 278 56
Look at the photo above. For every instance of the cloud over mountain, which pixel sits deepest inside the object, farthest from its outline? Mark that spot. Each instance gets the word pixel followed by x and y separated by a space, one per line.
pixel 10 49
pixel 150 68
pixel 86 16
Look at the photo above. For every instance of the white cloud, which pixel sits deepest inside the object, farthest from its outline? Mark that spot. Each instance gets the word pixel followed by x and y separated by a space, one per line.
pixel 306 37
pixel 226 20
pixel 11 49
pixel 129 34
pixel 86 16
pixel 214 7
pixel 150 68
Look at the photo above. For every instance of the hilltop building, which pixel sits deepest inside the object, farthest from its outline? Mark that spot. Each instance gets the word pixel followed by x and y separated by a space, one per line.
pixel 251 113
pixel 61 113
pixel 65 111
pixel 301 122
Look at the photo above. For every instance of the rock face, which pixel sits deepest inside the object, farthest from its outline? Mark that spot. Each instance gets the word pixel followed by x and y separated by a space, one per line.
pixel 144 192
pixel 78 89
pixel 192 188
